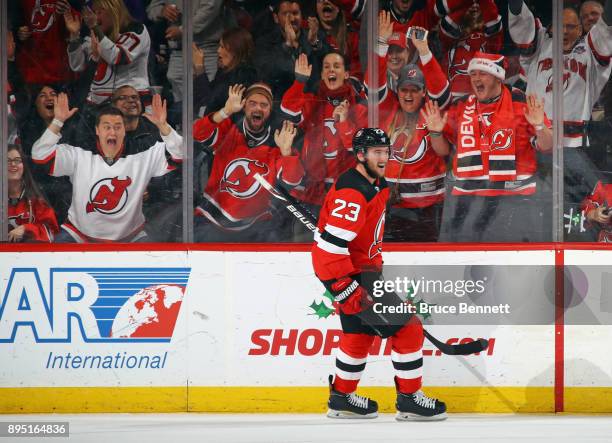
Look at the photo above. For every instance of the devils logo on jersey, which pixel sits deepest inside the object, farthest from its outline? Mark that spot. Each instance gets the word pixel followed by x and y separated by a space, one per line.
pixel 239 177
pixel 501 140
pixel 376 246
pixel 42 16
pixel 406 152
pixel 19 219
pixel 330 143
pixel 108 196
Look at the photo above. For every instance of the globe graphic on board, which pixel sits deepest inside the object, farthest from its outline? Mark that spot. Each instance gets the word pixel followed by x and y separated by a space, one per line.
pixel 151 312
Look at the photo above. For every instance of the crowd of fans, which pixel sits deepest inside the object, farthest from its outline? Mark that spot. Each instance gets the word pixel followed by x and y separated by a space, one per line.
pixel 464 91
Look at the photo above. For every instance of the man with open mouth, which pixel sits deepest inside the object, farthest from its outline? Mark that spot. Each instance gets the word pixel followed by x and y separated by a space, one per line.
pixel 329 119
pixel 245 139
pixel 496 133
pixel 108 183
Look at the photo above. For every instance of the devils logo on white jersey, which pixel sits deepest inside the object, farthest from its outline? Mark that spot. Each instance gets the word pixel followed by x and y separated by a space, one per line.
pixel 109 195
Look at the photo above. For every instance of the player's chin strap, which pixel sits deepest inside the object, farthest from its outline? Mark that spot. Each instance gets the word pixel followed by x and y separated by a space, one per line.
pixel 310 221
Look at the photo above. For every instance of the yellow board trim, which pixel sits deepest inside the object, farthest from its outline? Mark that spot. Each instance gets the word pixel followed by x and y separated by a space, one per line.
pixel 263 399
pixel 588 399
pixel 287 399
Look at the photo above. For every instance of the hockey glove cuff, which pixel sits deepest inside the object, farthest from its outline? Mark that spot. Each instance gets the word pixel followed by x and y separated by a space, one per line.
pixel 350 297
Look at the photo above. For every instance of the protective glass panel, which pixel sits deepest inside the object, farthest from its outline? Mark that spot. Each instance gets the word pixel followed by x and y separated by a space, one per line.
pixel 476 166
pixel 85 158
pixel 587 122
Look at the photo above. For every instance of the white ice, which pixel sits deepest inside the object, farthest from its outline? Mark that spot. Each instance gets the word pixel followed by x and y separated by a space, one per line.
pixel 302 428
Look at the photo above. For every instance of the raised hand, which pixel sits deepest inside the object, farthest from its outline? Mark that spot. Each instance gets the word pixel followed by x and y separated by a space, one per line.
pixel 302 67
pixel 534 113
pixel 73 23
pixel 433 118
pixel 62 7
pixel 234 102
pixel 340 112
pixel 385 26
pixel 284 137
pixel 422 46
pixel 290 35
pixel 61 108
pixel 89 17
pixel 313 30
pixel 95 47
pixel 158 114
pixel 170 13
pixel 197 58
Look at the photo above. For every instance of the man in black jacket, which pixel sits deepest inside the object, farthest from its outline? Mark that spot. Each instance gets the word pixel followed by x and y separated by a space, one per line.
pixel 277 51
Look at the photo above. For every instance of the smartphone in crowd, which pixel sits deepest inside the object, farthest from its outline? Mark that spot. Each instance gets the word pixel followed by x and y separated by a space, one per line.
pixel 419 34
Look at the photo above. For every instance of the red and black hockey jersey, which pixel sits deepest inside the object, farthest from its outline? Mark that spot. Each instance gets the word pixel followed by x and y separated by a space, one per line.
pixel 233 199
pixel 327 150
pixel 351 227
pixel 37 217
pixel 42 58
pixel 413 167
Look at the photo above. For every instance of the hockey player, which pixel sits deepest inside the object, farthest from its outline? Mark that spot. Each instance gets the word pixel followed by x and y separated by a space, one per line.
pixel 347 259
pixel 108 184
pixel 496 133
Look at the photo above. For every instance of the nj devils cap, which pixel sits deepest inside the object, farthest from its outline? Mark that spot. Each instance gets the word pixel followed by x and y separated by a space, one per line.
pixel 493 64
pixel 398 39
pixel 411 75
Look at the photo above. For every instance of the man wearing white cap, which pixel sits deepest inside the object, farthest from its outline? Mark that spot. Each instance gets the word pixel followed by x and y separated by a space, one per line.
pixel 496 133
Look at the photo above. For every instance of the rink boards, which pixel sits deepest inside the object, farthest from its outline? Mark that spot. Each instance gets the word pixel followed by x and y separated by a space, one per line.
pixel 251 331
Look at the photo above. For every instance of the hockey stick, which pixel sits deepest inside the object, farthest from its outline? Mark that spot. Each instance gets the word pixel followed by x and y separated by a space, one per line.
pixel 310 221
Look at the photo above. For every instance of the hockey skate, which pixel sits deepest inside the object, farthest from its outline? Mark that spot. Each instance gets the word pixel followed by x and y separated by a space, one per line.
pixel 349 405
pixel 418 407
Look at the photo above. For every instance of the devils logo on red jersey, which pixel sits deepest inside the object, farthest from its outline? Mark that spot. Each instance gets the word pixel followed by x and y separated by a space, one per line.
pixel 238 177
pixel 376 246
pixel 42 16
pixel 109 195
pixel 18 220
pixel 501 140
pixel 414 152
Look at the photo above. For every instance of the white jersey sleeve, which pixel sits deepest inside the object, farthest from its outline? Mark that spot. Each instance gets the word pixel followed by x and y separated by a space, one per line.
pixel 173 144
pixel 77 59
pixel 60 158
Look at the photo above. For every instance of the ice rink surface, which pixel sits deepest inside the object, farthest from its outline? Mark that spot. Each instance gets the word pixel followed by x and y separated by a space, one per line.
pixel 302 428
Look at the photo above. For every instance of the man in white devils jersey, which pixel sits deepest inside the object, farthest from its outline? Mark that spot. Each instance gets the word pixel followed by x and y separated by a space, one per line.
pixel 108 184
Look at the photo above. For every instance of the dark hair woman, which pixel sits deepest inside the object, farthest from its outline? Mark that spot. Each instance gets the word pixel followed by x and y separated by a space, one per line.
pixel 31 219
pixel 235 67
